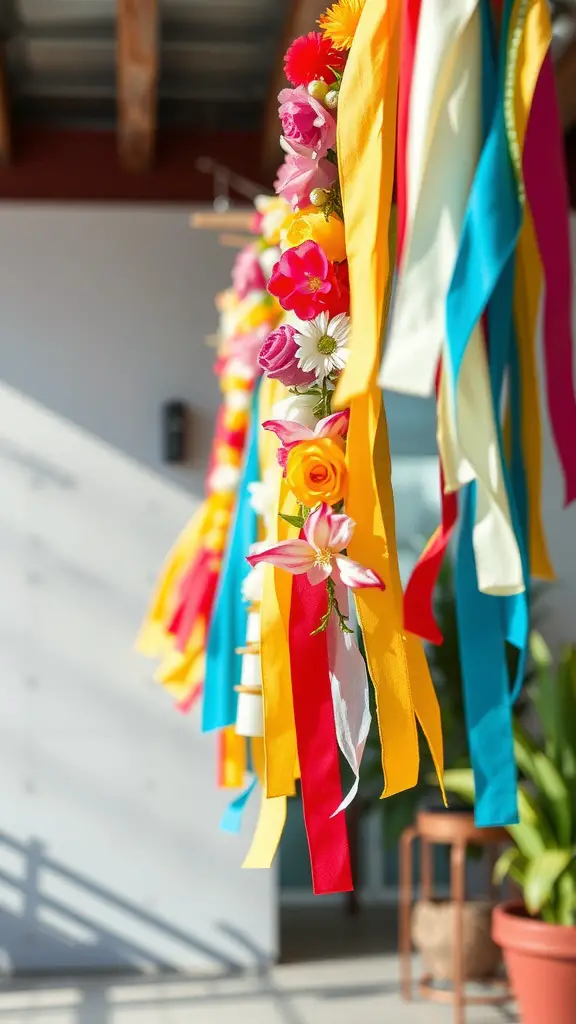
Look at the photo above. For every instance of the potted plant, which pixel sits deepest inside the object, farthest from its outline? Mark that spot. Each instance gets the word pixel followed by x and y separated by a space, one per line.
pixel 538 936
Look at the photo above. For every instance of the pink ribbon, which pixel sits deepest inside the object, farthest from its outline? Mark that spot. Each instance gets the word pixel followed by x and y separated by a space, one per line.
pixel 547 192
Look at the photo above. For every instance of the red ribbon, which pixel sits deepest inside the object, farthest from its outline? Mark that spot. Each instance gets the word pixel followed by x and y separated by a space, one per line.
pixel 196 596
pixel 547 192
pixel 316 741
pixel 410 18
pixel 418 597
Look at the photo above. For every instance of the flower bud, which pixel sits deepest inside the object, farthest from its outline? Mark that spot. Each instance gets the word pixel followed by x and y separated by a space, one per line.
pixel 319 196
pixel 318 89
pixel 331 99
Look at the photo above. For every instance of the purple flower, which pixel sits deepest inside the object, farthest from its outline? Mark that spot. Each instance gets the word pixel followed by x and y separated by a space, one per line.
pixel 279 358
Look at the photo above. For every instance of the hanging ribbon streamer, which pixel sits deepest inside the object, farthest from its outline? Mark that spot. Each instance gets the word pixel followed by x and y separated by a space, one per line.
pixel 418 597
pixel 409 34
pixel 350 693
pixel 441 153
pixel 546 188
pixel 396 662
pixel 228 626
pixel 317 746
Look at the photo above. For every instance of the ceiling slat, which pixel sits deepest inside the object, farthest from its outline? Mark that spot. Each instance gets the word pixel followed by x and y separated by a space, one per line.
pixel 137 67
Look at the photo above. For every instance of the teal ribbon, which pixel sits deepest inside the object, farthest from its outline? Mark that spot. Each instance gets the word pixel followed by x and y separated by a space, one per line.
pixel 483 281
pixel 231 820
pixel 229 619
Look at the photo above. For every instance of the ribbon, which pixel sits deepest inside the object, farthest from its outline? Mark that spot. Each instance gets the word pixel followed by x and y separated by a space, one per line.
pixel 366 136
pixel 316 736
pixel 279 728
pixel 418 597
pixel 231 759
pixel 231 820
pixel 271 818
pixel 484 277
pixel 441 154
pixel 350 693
pixel 546 188
pixel 153 639
pixel 228 625
pixel 408 35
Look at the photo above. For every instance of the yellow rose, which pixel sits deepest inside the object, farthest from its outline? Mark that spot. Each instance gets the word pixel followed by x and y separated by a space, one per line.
pixel 316 471
pixel 312 224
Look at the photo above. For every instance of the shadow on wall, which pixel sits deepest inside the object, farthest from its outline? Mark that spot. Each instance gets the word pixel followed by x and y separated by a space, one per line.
pixel 56 922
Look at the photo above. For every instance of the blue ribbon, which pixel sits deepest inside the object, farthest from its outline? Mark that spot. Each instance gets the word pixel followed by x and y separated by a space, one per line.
pixel 231 820
pixel 484 280
pixel 228 627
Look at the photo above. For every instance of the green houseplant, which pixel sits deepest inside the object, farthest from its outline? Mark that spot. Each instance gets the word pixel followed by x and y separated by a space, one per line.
pixel 539 937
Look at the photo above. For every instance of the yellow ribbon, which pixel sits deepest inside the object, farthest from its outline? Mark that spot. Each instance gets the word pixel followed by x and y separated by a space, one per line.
pixel 233 759
pixel 529 284
pixel 279 728
pixel 153 640
pixel 366 144
pixel 271 819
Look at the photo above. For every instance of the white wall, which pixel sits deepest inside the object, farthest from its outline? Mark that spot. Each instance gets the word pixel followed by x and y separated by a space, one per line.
pixel 110 850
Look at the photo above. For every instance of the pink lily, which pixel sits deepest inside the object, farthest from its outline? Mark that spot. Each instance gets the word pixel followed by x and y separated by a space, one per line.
pixel 319 553
pixel 290 433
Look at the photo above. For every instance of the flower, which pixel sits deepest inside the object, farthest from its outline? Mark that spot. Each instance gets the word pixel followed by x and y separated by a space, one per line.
pixel 318 554
pixel 304 280
pixel 321 345
pixel 278 358
pixel 340 22
pixel 300 173
pixel 253 582
pixel 290 432
pixel 267 258
pixel 273 211
pixel 296 409
pixel 224 478
pixel 316 471
pixel 306 122
pixel 311 57
pixel 312 224
pixel 264 496
pixel 247 274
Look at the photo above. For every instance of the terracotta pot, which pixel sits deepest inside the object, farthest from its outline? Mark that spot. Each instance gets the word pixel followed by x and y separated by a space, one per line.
pixel 433 937
pixel 541 963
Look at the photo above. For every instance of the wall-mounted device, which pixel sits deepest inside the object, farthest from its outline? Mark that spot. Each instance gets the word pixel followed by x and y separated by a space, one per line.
pixel 174 431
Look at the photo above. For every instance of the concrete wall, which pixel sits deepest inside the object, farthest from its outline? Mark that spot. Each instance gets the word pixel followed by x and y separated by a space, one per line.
pixel 110 850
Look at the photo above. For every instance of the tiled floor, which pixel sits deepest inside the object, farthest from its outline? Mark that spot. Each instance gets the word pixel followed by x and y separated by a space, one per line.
pixel 362 991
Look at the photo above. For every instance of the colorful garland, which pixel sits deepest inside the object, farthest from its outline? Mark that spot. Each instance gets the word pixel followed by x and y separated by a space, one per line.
pixel 456 104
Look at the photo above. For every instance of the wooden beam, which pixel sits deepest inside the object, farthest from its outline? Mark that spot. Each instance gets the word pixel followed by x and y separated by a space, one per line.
pixel 83 166
pixel 302 17
pixel 137 81
pixel 235 241
pixel 229 220
pixel 5 131
pixel 566 86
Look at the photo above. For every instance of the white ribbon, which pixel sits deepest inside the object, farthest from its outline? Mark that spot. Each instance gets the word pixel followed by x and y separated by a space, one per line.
pixel 441 157
pixel 350 694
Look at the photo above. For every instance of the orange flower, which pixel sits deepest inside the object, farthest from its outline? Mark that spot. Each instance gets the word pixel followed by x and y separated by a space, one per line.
pixel 316 471
pixel 340 22
pixel 312 224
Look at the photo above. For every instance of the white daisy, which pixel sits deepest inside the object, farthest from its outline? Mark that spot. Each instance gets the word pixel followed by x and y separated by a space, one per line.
pixel 321 344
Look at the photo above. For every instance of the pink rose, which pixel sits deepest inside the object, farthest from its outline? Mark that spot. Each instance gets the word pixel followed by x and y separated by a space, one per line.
pixel 279 360
pixel 306 122
pixel 247 274
pixel 299 174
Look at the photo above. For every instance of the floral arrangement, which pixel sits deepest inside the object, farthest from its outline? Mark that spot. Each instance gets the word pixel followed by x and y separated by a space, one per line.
pixel 300 506
pixel 177 625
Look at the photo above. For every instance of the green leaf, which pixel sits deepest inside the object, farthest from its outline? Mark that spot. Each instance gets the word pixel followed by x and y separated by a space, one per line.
pixel 293 520
pixel 542 875
pixel 510 863
pixel 555 794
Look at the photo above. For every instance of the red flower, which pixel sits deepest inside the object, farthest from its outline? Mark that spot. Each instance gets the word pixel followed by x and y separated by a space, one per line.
pixel 311 57
pixel 304 280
